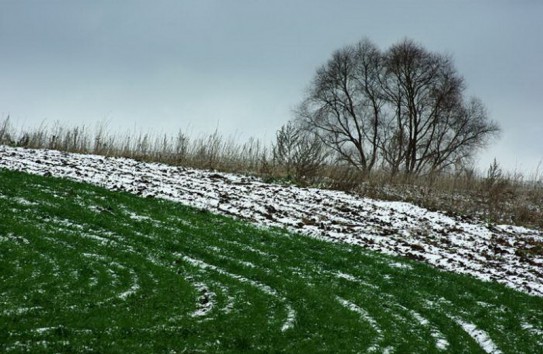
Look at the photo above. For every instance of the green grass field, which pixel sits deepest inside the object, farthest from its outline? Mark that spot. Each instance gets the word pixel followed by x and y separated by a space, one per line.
pixel 83 269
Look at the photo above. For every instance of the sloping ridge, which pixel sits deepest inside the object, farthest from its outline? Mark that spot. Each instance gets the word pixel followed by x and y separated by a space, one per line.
pixel 502 253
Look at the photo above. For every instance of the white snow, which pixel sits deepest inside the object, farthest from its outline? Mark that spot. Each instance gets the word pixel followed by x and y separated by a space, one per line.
pixel 441 342
pixel 363 313
pixel 366 317
pixel 501 253
pixel 24 202
pixel 14 238
pixel 353 279
pixel 480 336
pixel 21 310
pixel 291 313
pixel 401 265
pixel 137 217
pixel 206 300
pixel 532 329
pixel 346 276
pixel 133 288
pixel 42 330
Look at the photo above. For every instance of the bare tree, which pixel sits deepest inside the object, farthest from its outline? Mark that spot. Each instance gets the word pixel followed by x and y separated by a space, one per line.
pixel 299 151
pixel 5 129
pixel 457 135
pixel 432 126
pixel 344 104
pixel 403 108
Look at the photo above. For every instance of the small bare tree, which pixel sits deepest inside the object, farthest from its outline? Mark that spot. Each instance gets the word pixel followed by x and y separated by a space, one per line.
pixel 5 128
pixel 299 152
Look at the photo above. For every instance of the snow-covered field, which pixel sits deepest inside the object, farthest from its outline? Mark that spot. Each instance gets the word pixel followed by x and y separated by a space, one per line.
pixel 506 254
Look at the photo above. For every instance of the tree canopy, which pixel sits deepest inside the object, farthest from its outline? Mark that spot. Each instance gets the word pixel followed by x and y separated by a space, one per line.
pixel 402 109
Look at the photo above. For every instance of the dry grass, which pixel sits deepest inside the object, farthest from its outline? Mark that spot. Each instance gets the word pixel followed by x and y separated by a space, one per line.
pixel 211 151
pixel 509 199
pixel 495 197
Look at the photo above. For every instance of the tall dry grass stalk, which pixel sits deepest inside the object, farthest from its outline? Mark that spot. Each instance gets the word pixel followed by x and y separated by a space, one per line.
pixel 207 151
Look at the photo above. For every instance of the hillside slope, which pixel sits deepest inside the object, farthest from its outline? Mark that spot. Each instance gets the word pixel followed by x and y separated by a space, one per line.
pixel 83 269
pixel 506 254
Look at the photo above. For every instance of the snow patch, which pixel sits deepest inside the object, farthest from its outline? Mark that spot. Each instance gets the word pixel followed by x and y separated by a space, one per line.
pixel 291 313
pixel 441 342
pixel 532 329
pixel 206 300
pixel 367 318
pixel 480 336
pixel 24 202
pixel 133 289
pixel 401 265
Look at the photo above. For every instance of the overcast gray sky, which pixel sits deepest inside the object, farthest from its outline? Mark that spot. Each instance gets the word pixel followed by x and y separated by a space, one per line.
pixel 242 65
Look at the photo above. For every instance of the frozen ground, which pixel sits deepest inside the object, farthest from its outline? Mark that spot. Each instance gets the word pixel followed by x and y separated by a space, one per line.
pixel 506 254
